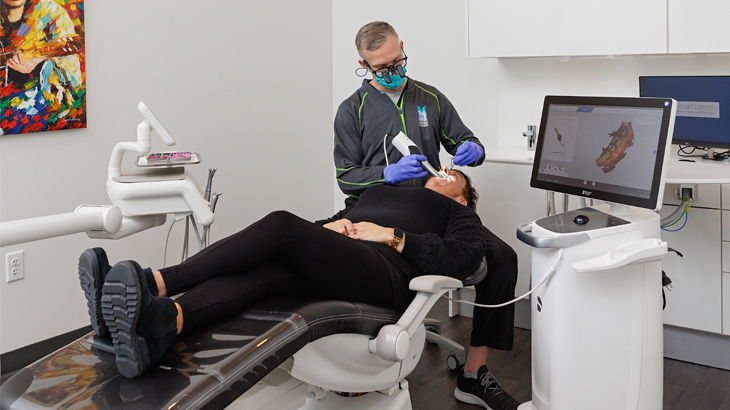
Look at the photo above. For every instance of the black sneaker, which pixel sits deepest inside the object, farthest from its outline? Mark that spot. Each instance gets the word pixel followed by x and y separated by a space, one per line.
pixel 93 268
pixel 142 325
pixel 484 391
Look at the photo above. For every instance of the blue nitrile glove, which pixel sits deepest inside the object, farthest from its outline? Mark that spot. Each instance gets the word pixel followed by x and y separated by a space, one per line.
pixel 467 153
pixel 407 168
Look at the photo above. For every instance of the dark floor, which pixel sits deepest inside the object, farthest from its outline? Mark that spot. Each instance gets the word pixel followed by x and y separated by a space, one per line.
pixel 686 386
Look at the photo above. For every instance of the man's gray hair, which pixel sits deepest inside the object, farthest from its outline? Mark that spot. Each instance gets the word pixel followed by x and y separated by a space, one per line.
pixel 372 35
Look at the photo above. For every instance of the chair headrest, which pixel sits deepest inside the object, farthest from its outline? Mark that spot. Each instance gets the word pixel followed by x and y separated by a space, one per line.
pixel 478 275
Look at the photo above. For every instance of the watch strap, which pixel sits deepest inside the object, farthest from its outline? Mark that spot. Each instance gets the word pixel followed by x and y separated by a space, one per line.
pixel 397 237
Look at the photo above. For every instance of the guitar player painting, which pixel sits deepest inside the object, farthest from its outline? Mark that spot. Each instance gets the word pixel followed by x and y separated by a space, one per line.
pixel 42 66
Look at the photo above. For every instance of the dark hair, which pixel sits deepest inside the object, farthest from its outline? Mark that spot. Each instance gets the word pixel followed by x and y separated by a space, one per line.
pixel 470 193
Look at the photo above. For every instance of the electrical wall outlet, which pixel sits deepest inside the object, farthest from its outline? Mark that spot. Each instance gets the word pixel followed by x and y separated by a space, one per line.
pixel 14 266
pixel 689 191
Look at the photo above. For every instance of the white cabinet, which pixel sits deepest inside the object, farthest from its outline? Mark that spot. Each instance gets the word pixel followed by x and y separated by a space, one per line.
pixel 700 298
pixel 699 26
pixel 538 28
pixel 695 300
pixel 522 28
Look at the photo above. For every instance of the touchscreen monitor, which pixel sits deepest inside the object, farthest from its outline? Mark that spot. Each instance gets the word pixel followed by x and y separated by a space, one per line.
pixel 605 148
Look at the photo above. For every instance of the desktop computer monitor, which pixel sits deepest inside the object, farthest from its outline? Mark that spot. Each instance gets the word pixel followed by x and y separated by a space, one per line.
pixel 703 119
pixel 605 148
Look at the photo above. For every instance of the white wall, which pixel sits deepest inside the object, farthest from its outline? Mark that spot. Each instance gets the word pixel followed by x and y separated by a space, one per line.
pixel 523 83
pixel 231 80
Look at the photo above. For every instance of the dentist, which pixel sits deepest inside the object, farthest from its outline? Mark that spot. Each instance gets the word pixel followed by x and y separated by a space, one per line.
pixel 389 103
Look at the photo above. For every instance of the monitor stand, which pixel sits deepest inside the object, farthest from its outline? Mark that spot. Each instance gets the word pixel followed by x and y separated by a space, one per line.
pixel 621 209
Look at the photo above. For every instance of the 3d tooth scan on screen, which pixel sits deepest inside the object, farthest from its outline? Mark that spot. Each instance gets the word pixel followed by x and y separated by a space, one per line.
pixel 621 139
pixel 602 148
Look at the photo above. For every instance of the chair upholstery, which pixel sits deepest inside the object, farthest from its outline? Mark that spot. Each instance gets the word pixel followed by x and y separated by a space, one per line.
pixel 207 369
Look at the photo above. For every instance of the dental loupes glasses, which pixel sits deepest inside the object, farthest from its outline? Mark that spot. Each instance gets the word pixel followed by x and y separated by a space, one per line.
pixel 385 73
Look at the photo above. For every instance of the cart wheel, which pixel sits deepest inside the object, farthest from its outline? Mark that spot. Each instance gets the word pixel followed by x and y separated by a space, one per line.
pixel 453 363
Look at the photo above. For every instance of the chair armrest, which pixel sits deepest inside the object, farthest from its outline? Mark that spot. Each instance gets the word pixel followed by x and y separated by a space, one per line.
pixel 434 283
pixel 393 341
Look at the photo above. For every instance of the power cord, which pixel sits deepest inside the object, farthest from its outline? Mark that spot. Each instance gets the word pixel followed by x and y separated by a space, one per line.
pixel 686 217
pixel 167 239
pixel 666 282
pixel 671 220
pixel 385 147
pixel 542 281
pixel 716 156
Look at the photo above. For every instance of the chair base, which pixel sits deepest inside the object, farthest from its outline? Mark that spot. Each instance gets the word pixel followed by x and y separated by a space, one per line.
pixel 400 399
pixel 457 359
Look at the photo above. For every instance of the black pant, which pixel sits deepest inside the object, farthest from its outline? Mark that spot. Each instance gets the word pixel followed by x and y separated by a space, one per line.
pixel 282 254
pixel 495 327
pixel 285 255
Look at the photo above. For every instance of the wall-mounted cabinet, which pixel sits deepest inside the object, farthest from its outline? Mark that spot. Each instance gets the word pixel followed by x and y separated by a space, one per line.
pixel 699 26
pixel 538 28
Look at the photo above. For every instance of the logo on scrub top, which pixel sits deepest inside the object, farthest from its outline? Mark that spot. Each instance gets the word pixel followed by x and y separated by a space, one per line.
pixel 422 117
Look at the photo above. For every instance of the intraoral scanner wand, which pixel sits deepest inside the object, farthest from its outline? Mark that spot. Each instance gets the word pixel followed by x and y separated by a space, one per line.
pixel 408 147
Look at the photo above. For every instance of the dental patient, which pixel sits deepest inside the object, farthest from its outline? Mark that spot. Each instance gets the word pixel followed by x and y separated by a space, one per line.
pixel 367 254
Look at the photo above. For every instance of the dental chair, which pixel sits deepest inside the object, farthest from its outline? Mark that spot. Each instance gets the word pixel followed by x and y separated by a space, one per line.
pixel 341 349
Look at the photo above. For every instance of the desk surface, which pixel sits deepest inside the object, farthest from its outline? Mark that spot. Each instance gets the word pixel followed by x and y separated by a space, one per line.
pixel 701 171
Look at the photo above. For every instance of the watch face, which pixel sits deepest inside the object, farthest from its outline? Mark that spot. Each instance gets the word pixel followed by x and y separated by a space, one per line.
pixel 397 233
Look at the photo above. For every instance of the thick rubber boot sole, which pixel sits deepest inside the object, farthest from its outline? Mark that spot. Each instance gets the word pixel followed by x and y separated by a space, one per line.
pixel 91 283
pixel 121 307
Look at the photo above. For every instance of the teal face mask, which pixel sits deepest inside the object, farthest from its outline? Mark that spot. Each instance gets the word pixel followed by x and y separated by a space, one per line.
pixel 396 80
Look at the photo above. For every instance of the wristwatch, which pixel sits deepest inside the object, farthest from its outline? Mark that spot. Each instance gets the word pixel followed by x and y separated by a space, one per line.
pixel 397 237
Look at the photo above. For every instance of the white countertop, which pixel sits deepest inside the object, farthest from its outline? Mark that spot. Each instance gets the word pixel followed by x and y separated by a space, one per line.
pixel 701 171
pixel 509 155
pixel 679 172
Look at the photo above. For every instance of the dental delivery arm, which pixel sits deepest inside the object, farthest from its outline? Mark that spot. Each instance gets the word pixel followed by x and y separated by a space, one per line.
pixel 137 206
pixel 84 218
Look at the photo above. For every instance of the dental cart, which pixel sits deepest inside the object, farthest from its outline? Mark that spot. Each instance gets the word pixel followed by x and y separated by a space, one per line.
pixel 596 306
pixel 597 323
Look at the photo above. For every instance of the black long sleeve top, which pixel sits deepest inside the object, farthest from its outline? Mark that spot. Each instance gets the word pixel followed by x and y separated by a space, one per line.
pixel 442 237
pixel 423 113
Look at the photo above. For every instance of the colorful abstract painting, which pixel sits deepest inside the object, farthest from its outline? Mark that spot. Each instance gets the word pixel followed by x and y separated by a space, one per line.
pixel 42 65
